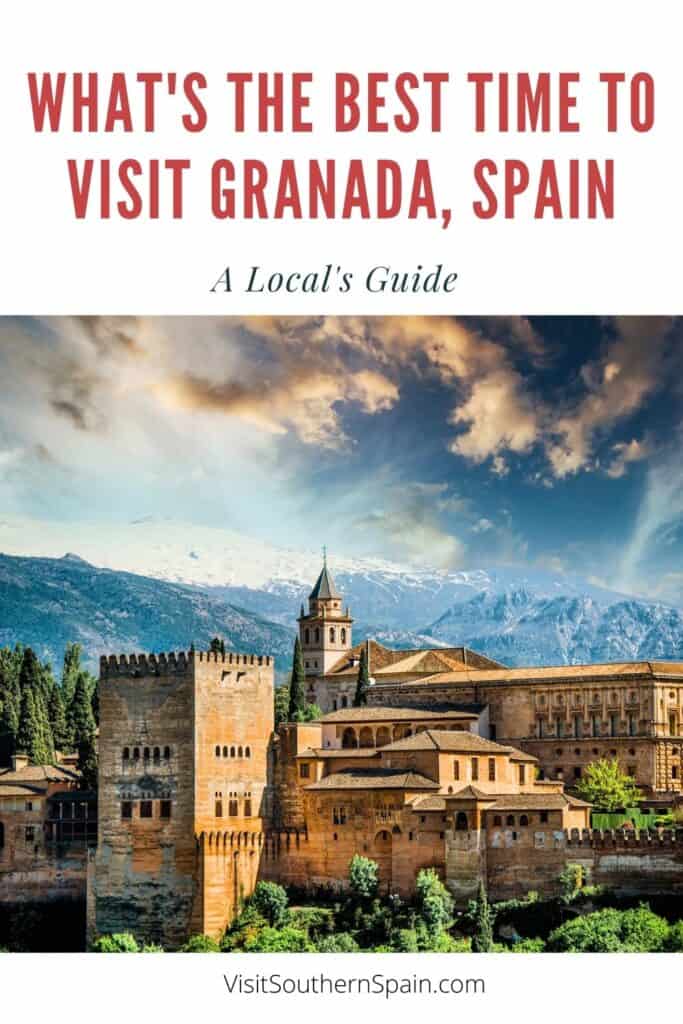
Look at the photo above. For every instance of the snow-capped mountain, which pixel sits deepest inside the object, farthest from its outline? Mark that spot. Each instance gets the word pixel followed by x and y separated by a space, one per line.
pixel 515 615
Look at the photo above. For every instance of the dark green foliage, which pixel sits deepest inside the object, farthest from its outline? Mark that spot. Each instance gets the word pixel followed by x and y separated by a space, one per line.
pixel 87 761
pixel 611 931
pixel 70 672
pixel 281 704
pixel 32 738
pixel 363 684
pixel 201 944
pixel 271 901
pixel 674 941
pixel 482 940
pixel 217 646
pixel 123 942
pixel 80 718
pixel 571 882
pixel 297 686
pixel 57 715
pixel 363 877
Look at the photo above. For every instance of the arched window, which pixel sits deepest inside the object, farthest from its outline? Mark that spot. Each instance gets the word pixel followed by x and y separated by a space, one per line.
pixel 344 702
pixel 2 835
pixel 167 753
pixel 146 754
pixel 349 739
pixel 510 820
pixel 497 820
pixel 239 752
pixel 247 751
pixel 461 822
pixel 218 751
pixel 332 634
pixel 232 751
pixel 317 635
pixel 157 755
pixel 136 753
pixel 343 635
pixel 366 739
pixel 523 820
pixel 126 753
pixel 225 751
pixel 307 636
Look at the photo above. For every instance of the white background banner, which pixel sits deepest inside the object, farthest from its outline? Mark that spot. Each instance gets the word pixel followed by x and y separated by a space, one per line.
pixel 53 262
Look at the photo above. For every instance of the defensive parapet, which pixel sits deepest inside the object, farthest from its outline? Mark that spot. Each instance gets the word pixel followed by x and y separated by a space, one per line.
pixel 624 838
pixel 137 665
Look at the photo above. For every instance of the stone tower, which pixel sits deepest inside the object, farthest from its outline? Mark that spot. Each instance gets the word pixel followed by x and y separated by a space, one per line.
pixel 325 632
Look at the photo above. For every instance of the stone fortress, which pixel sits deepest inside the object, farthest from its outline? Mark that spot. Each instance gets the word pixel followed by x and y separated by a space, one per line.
pixel 457 763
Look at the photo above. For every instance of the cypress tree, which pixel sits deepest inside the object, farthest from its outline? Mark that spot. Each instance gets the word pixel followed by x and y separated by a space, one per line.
pixel 217 646
pixel 482 940
pixel 29 737
pixel 57 715
pixel 47 744
pixel 81 720
pixel 10 701
pixel 363 685
pixel 70 672
pixel 297 692
pixel 87 761
pixel 30 673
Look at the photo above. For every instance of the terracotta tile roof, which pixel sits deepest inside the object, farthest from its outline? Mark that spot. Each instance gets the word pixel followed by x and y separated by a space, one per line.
pixel 326 752
pixel 472 793
pixel 17 789
pixel 385 660
pixel 374 778
pixel 558 673
pixel 39 773
pixel 428 803
pixel 520 755
pixel 533 802
pixel 449 742
pixel 372 713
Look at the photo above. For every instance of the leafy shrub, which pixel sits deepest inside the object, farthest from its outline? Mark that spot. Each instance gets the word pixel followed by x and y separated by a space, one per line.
pixel 363 877
pixel 528 946
pixel 151 947
pixel 317 922
pixel 674 940
pixel 611 931
pixel 271 901
pixel 121 942
pixel 342 942
pixel 279 940
pixel 571 880
pixel 201 944
pixel 243 929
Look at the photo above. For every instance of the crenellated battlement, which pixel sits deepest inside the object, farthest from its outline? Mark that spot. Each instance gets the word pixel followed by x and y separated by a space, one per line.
pixel 271 842
pixel 174 663
pixel 625 839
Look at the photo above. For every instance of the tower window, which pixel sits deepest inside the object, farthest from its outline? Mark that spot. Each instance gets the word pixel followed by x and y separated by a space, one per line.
pixel 126 754
pixel 456 770
pixel 492 769
pixel 317 635
pixel 157 755
pixel 332 635
pixel 475 769
pixel 167 753
pixel 145 808
pixel 219 807
pixel 218 751
pixel 343 635
pixel 247 807
pixel 521 771
pixel 247 751
pixel 165 809
pixel 126 809
pixel 307 636
pixel 233 810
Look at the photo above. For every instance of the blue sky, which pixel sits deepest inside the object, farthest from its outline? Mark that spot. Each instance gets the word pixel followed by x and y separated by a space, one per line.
pixel 549 442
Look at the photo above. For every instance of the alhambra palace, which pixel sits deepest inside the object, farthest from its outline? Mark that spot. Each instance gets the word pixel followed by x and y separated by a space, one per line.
pixel 456 763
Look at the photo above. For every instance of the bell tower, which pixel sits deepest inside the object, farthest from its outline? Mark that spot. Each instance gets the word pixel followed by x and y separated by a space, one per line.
pixel 325 632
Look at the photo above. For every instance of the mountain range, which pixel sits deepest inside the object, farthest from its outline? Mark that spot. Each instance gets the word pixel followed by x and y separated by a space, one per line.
pixel 158 585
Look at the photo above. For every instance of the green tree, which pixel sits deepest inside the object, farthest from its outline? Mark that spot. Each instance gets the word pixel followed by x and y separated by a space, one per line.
pixel 10 701
pixel 87 761
pixel 342 942
pixel 482 940
pixel 606 787
pixel 80 718
pixel 70 672
pixel 297 686
pixel 201 944
pixel 363 877
pixel 611 931
pixel 281 704
pixel 121 942
pixel 363 684
pixel 279 940
pixel 33 733
pixel 571 880
pixel 434 902
pixel 271 901
pixel 57 715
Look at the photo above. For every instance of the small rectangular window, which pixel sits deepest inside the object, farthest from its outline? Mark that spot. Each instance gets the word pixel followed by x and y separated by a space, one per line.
pixel 29 805
pixel 475 769
pixel 544 817
pixel 29 833
pixel 127 809
pixel 304 771
pixel 247 808
pixel 492 769
pixel 521 769
pixel 165 809
pixel 456 770
pixel 145 808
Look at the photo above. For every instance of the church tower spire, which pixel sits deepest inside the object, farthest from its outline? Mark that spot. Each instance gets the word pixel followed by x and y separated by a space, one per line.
pixel 325 631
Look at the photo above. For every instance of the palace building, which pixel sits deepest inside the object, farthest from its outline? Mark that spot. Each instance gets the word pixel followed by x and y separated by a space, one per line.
pixel 456 763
